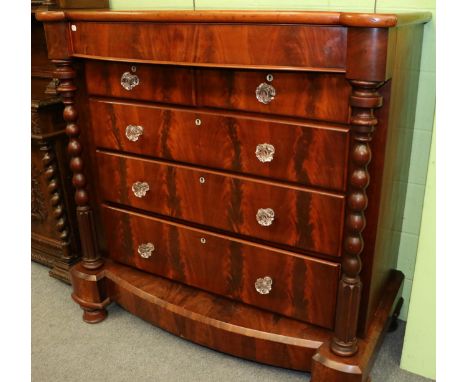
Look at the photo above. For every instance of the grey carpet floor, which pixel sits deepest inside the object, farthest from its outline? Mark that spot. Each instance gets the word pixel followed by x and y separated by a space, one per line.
pixel 125 348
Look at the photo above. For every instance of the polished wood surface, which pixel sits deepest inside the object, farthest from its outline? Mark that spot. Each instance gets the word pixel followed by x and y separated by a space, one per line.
pixel 364 99
pixel 54 237
pixel 91 258
pixel 220 44
pixel 376 20
pixel 305 153
pixel 56 35
pixel 235 328
pixel 190 313
pixel 327 366
pixel 389 169
pixel 226 266
pixel 337 218
pixel 371 20
pixel 90 292
pixel 375 49
pixel 161 84
pixel 304 219
pixel 308 95
pixel 40 66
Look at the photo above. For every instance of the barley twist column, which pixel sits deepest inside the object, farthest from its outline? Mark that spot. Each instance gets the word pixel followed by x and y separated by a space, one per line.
pixel 67 89
pixel 364 99
pixel 49 161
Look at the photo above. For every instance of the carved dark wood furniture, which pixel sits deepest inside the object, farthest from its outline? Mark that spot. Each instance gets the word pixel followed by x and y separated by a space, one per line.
pixel 54 237
pixel 244 171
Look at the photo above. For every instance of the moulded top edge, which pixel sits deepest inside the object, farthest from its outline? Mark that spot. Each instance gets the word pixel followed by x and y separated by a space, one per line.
pixel 373 20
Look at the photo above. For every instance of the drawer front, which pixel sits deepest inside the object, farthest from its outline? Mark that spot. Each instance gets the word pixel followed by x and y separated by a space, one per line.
pixel 305 219
pixel 304 46
pixel 310 155
pixel 164 84
pixel 317 96
pixel 303 288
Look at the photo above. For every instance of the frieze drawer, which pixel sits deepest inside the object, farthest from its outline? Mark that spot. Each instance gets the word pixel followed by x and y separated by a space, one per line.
pixel 221 44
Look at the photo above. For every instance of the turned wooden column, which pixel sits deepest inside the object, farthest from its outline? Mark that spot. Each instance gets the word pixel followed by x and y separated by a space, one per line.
pixel 49 161
pixel 66 74
pixel 363 100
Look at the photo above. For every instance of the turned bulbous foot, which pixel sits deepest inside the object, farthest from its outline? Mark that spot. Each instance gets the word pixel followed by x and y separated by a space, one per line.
pixel 94 316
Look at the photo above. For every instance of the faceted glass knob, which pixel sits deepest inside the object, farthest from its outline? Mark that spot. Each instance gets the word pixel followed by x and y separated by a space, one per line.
pixel 265 216
pixel 133 132
pixel 263 285
pixel 265 93
pixel 129 81
pixel 146 250
pixel 265 152
pixel 140 189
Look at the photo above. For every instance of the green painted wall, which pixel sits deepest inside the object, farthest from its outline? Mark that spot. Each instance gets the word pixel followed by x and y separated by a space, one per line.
pixel 422 137
pixel 261 4
pixel 419 349
pixel 422 134
pixel 126 5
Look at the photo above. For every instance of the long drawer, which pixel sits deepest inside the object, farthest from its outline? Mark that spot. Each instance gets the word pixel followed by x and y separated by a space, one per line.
pixel 309 154
pixel 293 216
pixel 279 281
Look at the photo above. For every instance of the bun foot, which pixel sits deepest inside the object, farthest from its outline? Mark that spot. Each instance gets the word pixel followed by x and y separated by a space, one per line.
pixel 94 316
pixel 89 292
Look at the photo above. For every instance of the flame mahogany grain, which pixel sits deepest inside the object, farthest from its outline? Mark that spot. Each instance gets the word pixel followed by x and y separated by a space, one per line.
pixel 161 84
pixel 226 266
pixel 304 153
pixel 218 44
pixel 233 327
pixel 308 95
pixel 351 69
pixel 304 219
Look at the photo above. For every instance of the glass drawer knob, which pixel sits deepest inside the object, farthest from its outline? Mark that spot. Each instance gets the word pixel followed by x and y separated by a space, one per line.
pixel 265 93
pixel 133 132
pixel 263 285
pixel 265 216
pixel 264 152
pixel 140 189
pixel 146 250
pixel 129 81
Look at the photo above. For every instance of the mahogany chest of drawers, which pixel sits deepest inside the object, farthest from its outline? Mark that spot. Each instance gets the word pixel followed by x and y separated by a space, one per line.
pixel 243 171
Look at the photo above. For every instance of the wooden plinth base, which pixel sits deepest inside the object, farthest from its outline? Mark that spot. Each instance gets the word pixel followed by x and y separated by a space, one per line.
pixel 229 326
pixel 327 366
pixel 52 254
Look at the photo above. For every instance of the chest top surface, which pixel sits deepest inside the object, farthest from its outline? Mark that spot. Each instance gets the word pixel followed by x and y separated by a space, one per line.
pixel 358 44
